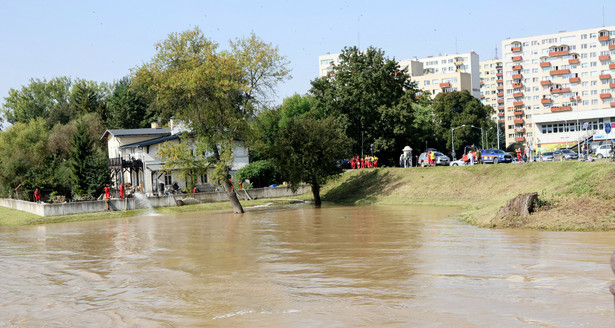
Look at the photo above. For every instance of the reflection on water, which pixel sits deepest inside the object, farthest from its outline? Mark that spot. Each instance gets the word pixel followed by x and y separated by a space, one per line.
pixel 303 267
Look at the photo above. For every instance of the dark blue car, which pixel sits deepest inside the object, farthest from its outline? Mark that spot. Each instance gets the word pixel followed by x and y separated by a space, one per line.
pixel 495 156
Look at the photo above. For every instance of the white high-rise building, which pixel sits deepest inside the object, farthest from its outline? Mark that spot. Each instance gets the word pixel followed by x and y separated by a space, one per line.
pixel 558 88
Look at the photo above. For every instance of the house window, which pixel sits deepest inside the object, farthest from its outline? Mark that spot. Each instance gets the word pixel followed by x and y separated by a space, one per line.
pixel 167 180
pixel 204 178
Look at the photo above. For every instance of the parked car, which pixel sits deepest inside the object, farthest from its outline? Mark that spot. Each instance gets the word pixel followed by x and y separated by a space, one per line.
pixel 440 159
pixel 495 156
pixel 458 162
pixel 564 155
pixel 546 156
pixel 603 151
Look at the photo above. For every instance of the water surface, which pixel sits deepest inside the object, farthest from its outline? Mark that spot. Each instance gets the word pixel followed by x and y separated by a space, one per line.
pixel 302 267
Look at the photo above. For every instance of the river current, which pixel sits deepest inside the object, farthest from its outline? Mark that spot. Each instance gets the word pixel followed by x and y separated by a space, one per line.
pixel 296 266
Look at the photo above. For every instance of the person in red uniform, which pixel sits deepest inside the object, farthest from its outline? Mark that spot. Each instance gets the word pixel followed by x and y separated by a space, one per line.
pixel 121 190
pixel 107 192
pixel 362 163
pixel 519 154
pixel 37 195
pixel 375 161
pixel 352 162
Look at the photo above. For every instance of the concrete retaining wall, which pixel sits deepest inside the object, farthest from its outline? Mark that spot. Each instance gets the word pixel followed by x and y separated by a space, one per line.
pixel 116 204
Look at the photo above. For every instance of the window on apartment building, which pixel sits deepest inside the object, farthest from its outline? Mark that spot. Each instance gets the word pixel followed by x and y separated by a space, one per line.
pixel 585 102
pixel 583 36
pixel 536 107
pixel 594 101
pixel 593 73
pixel 443 61
pixel 526 71
pixel 584 65
pixel 592 55
pixel 536 97
pixel 426 83
pixel 534 70
pixel 593 64
pixel 584 84
pixel 593 35
pixel 534 43
pixel 450 60
pixel 584 46
pixel 584 93
pixel 534 79
pixel 583 55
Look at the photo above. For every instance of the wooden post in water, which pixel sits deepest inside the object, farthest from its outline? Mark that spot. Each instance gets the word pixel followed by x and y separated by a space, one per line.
pixel 612 286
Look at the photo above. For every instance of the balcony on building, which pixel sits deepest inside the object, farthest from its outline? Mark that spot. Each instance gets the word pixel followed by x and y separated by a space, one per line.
pixel 560 72
pixel 499 74
pixel 545 64
pixel 577 98
pixel 520 130
pixel 517 58
pixel 482 96
pixel 518 112
pixel 501 114
pixel 519 139
pixel 518 94
pixel 560 90
pixel 605 76
pixel 519 121
pixel 481 83
pixel 611 46
pixel 559 53
pixel 546 100
pixel 445 85
pixel 612 85
pixel 574 79
pixel 518 103
pixel 499 81
pixel 517 76
pixel 517 85
pixel 501 108
pixel 612 104
pixel 500 101
pixel 611 66
pixel 603 38
pixel 605 95
pixel 561 108
pixel 500 87
pixel 573 61
pixel 516 49
pixel 500 121
pixel 604 57
pixel 545 82
pixel 500 94
pixel 517 67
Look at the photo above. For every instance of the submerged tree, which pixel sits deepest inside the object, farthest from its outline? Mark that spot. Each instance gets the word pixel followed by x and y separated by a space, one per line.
pixel 310 150
pixel 213 92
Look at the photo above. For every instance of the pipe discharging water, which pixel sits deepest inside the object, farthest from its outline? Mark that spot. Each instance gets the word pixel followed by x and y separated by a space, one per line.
pixel 142 202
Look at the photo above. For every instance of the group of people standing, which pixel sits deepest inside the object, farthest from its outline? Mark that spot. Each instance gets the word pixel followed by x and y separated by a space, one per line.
pixel 359 162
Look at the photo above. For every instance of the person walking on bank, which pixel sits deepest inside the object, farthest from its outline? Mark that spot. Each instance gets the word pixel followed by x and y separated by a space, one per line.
pixel 432 157
pixel 37 195
pixel 121 187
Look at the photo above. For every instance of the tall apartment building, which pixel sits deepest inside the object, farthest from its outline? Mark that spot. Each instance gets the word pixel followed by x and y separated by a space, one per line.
pixel 433 74
pixel 491 87
pixel 558 88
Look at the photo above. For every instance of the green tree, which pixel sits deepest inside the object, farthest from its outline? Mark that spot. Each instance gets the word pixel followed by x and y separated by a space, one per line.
pixel 127 108
pixel 185 157
pixel 309 150
pixel 89 97
pixel 88 165
pixel 374 99
pixel 454 109
pixel 40 99
pixel 212 91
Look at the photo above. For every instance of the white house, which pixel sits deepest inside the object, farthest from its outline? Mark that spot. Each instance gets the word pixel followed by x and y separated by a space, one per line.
pixel 133 159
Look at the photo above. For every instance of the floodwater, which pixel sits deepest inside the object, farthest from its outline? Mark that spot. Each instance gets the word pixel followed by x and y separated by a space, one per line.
pixel 296 266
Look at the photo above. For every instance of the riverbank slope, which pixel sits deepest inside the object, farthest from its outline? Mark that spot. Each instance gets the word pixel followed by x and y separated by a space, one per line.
pixel 572 195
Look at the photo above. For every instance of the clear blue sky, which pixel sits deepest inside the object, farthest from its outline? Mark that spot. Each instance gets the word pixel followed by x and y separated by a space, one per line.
pixel 103 40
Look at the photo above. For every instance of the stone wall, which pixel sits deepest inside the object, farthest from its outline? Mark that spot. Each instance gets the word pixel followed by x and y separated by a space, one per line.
pixel 116 204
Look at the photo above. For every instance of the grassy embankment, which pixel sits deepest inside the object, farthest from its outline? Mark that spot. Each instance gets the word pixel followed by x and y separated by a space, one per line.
pixel 573 195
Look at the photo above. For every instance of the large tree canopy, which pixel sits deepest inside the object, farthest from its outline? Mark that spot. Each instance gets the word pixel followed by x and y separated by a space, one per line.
pixel 212 91
pixel 373 97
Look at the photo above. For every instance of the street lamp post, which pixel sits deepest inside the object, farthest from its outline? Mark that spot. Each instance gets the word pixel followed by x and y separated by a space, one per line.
pixel 452 138
pixel 482 142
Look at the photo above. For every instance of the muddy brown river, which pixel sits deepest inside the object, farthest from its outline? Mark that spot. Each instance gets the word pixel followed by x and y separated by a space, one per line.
pixel 296 266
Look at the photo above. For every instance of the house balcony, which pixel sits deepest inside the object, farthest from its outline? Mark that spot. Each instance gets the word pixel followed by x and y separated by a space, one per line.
pixel 500 87
pixel 517 85
pixel 499 81
pixel 545 82
pixel 603 38
pixel 559 72
pixel 482 96
pixel 519 139
pixel 500 121
pixel 499 74
pixel 612 85
pixel 517 58
pixel 481 83
pixel 501 108
pixel 518 94
pixel 574 79
pixel 118 163
pixel 611 66
pixel 500 94
pixel 517 67
pixel 545 64
pixel 577 98
pixel 559 53
pixel 445 85
pixel 517 76
pixel 611 46
pixel 519 121
pixel 605 95
pixel 501 114
pixel 605 57
pixel 518 112
pixel 573 61
pixel 546 101
pixel 515 49
pixel 612 104
pixel 520 130
pixel 561 109
pixel 518 103
pixel 500 101
pixel 605 76
pixel 560 90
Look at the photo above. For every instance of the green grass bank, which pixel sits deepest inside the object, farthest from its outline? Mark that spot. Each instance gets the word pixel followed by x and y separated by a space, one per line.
pixel 577 196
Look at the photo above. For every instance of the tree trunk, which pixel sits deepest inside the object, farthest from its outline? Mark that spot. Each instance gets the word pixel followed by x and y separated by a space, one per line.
pixel 232 196
pixel 316 193
pixel 230 192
